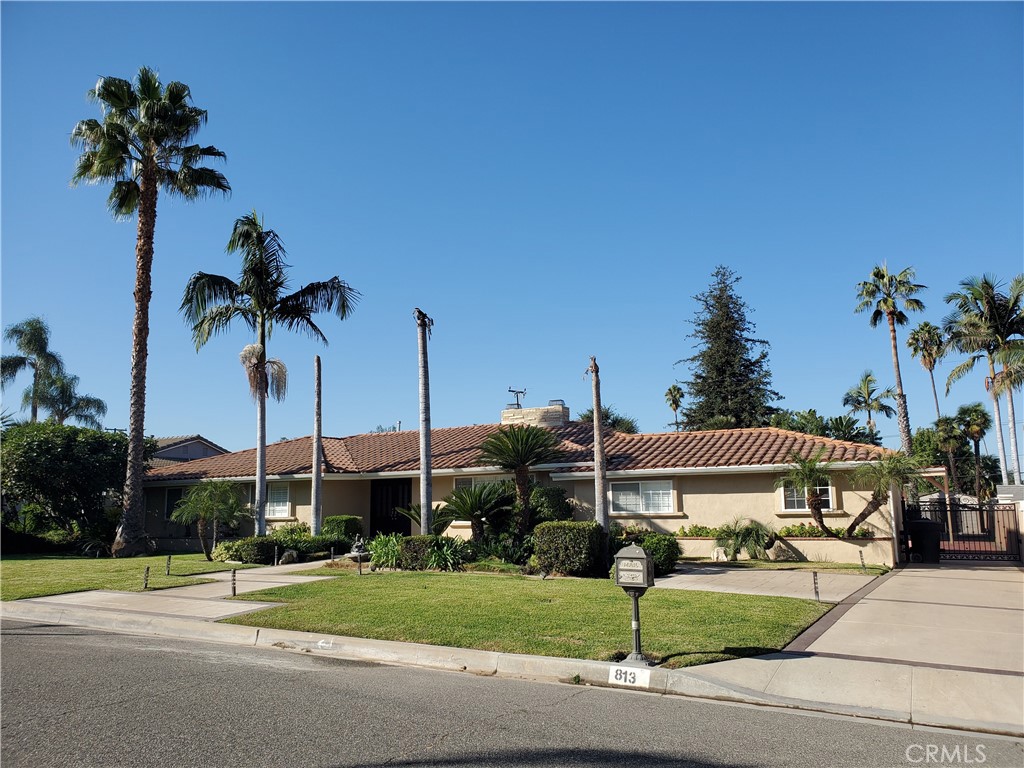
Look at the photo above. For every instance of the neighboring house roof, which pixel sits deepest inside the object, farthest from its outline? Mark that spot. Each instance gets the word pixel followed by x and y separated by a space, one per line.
pixel 165 443
pixel 456 448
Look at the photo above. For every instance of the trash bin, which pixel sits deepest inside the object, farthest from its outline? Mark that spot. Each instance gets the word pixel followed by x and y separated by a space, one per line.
pixel 925 540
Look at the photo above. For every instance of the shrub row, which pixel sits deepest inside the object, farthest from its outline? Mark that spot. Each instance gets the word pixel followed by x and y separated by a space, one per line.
pixel 813 531
pixel 419 553
pixel 570 548
pixel 661 548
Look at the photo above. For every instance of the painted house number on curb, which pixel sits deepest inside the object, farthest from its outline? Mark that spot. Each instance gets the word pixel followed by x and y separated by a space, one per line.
pixel 638 678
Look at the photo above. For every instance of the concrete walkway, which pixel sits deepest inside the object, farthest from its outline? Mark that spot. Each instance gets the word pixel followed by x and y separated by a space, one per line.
pixel 832 587
pixel 940 646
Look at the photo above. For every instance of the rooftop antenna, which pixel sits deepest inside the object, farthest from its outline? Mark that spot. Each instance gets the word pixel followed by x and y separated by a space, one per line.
pixel 518 393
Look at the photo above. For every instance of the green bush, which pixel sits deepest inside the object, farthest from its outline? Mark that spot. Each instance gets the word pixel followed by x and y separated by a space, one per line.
pixel 414 553
pixel 663 550
pixel 385 550
pixel 571 548
pixel 291 536
pixel 18 543
pixel 224 551
pixel 812 531
pixel 324 543
pixel 699 531
pixel 342 526
pixel 448 554
pixel 548 504
pixel 253 549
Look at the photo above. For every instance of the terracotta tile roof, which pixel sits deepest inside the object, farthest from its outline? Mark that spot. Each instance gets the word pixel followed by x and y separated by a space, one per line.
pixel 459 447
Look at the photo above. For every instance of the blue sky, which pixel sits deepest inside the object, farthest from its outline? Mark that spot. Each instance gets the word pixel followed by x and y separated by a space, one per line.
pixel 547 181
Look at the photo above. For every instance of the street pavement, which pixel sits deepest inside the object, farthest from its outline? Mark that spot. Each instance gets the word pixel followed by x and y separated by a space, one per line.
pixel 903 648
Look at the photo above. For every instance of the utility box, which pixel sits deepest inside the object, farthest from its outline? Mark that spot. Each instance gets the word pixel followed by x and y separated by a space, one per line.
pixel 633 569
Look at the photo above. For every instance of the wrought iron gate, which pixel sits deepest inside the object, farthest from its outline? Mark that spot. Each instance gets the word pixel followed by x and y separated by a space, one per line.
pixel 984 531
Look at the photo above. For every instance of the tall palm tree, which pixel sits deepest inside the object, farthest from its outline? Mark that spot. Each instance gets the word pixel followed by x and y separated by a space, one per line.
pixel 143 145
pixel 890 296
pixel 516 448
pixel 927 342
pixel 986 323
pixel 60 397
pixel 424 324
pixel 974 422
pixel 895 469
pixel 864 397
pixel 600 458
pixel 31 338
pixel 809 473
pixel 260 301
pixel 674 398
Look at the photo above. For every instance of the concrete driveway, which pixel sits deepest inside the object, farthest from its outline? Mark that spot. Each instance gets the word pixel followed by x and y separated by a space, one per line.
pixel 832 587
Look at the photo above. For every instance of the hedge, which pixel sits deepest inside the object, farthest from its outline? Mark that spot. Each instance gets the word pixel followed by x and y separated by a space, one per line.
pixel 570 548
pixel 414 552
pixel 342 526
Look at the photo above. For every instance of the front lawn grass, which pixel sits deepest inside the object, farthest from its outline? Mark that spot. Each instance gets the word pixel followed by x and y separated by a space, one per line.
pixel 574 618
pixel 38 575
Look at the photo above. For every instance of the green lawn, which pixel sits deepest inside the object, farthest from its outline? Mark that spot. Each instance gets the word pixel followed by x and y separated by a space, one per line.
pixel 38 575
pixel 802 565
pixel 575 618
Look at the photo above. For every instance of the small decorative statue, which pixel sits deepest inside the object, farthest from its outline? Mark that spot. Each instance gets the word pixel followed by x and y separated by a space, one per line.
pixel 357 545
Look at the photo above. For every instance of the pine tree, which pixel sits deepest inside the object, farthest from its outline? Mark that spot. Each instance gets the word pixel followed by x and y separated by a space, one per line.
pixel 731 378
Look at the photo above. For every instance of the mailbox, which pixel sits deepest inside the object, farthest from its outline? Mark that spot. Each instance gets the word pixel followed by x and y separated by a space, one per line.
pixel 633 570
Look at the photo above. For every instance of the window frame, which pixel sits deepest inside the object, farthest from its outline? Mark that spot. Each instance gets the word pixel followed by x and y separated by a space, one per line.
pixel 800 502
pixel 642 494
pixel 287 501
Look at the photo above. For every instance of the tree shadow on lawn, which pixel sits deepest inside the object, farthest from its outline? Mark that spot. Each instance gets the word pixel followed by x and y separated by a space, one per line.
pixel 736 652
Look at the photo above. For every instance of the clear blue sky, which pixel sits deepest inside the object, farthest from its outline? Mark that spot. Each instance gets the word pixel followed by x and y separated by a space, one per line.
pixel 547 181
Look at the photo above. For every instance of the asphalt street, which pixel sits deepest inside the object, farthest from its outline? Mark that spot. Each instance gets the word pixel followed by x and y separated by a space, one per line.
pixel 81 697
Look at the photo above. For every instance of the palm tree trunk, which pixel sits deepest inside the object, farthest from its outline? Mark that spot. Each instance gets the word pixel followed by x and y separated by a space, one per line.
pixel 35 394
pixel 902 416
pixel 522 481
pixel 1011 419
pixel 600 481
pixel 935 393
pixel 977 470
pixel 952 473
pixel 873 505
pixel 998 423
pixel 131 533
pixel 423 324
pixel 316 467
pixel 201 533
pixel 261 436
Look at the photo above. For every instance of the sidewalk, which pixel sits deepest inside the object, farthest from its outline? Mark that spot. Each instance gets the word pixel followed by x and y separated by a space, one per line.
pixel 940 646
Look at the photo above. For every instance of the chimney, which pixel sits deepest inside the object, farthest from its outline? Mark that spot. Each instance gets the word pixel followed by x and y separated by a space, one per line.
pixel 554 414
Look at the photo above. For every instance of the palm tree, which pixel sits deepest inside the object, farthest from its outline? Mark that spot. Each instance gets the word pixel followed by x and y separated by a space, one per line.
pixel 895 469
pixel 984 324
pixel 948 438
pixel 883 294
pixel 600 458
pixel 143 145
pixel 479 505
pixel 848 428
pixel 317 460
pixel 809 473
pixel 424 324
pixel 515 448
pixel 865 397
pixel 974 422
pixel 208 505
pixel 674 398
pixel 31 338
pixel 60 397
pixel 260 300
pixel 927 342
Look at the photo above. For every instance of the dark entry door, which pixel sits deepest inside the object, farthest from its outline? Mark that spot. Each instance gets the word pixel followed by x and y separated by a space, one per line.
pixel 385 495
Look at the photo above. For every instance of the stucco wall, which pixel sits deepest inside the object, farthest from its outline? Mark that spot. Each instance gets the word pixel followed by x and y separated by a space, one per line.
pixel 876 551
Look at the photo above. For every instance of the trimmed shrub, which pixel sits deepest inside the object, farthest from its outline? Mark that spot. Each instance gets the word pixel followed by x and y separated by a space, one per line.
pixel 292 536
pixel 254 549
pixel 663 550
pixel 385 549
pixel 803 530
pixel 571 548
pixel 224 551
pixel 323 543
pixel 414 552
pixel 342 526
pixel 699 531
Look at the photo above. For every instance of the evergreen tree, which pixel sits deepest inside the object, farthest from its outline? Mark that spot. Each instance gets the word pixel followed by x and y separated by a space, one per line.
pixel 731 378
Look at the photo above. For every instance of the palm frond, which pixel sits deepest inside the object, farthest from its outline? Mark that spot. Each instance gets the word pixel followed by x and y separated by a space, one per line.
pixel 203 290
pixel 961 370
pixel 10 367
pixel 277 379
pixel 218 320
pixel 334 296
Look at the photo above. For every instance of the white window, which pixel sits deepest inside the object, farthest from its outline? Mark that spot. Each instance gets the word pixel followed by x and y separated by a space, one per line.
pixel 795 499
pixel 277 500
pixel 469 482
pixel 650 496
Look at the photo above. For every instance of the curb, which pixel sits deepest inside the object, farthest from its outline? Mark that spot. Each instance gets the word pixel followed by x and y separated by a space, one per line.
pixel 485 663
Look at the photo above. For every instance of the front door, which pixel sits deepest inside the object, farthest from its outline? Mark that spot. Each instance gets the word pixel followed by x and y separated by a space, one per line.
pixel 385 496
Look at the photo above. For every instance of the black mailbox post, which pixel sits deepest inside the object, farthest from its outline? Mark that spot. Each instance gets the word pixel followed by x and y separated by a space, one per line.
pixel 634 573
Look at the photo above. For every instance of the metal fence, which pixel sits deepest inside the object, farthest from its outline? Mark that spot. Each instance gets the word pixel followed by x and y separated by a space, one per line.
pixel 985 531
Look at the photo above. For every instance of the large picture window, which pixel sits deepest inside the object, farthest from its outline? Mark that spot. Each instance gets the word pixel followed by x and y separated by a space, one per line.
pixel 277 500
pixel 794 499
pixel 647 496
pixel 469 482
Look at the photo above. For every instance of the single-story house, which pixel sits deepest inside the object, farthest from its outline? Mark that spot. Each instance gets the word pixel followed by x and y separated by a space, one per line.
pixel 662 481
